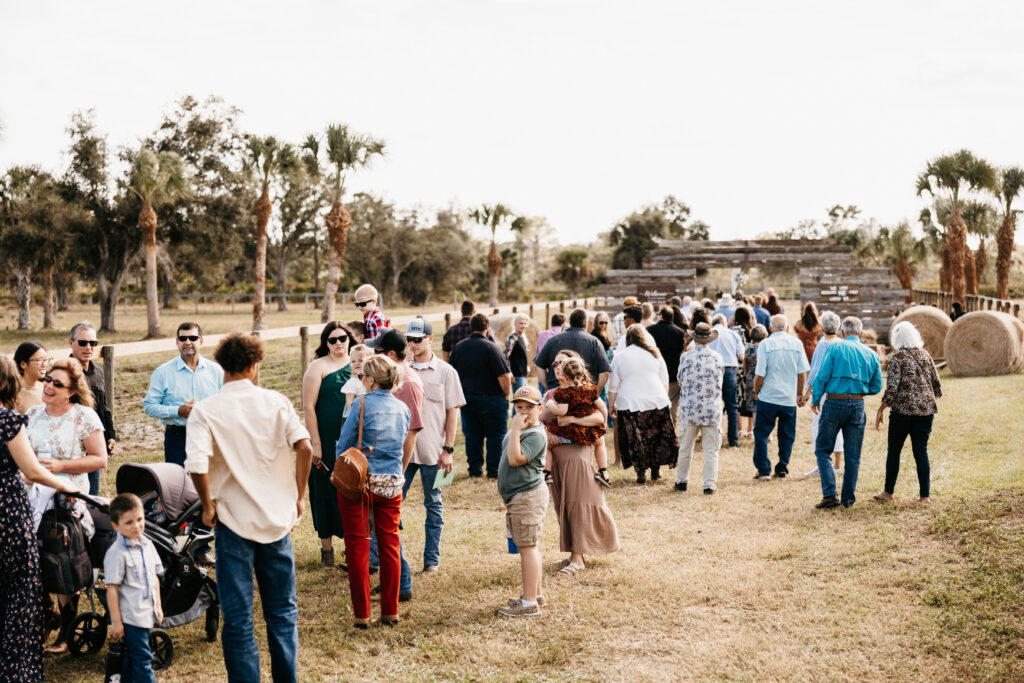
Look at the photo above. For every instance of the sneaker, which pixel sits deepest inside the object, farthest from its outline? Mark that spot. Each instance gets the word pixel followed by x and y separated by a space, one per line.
pixel 813 473
pixel 429 569
pixel 541 601
pixel 404 597
pixel 781 471
pixel 519 610
pixel 828 502
pixel 680 486
pixel 781 475
pixel 708 492
pixel 762 477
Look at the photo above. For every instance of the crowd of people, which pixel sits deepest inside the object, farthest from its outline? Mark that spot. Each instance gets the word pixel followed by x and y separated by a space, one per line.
pixel 664 379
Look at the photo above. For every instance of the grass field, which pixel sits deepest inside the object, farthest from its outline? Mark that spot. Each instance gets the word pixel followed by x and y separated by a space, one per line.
pixel 748 584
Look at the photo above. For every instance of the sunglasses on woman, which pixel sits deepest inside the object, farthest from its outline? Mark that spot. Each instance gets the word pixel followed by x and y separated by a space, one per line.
pixel 55 382
pixel 337 340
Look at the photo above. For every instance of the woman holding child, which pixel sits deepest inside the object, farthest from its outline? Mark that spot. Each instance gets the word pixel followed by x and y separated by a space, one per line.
pixel 585 522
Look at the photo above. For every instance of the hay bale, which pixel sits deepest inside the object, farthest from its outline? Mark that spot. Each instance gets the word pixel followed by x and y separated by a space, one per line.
pixel 985 343
pixel 933 325
pixel 501 328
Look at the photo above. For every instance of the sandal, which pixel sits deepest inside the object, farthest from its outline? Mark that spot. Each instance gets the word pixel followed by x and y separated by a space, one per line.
pixel 570 569
pixel 602 477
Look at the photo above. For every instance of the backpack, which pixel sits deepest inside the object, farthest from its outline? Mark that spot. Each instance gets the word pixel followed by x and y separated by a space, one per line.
pixel 351 467
pixel 63 552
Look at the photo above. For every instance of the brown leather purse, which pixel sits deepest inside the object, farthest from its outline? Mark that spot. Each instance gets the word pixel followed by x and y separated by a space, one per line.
pixel 351 467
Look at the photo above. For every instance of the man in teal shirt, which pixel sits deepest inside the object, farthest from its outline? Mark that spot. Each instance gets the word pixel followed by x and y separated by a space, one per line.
pixel 177 385
pixel 849 372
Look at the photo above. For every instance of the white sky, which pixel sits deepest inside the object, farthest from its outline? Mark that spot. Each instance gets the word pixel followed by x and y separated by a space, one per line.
pixel 756 114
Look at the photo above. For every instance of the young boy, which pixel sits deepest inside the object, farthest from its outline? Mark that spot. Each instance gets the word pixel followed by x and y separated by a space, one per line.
pixel 521 485
pixel 130 569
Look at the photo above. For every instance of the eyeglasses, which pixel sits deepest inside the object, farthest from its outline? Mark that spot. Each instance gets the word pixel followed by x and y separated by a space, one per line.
pixel 360 304
pixel 188 337
pixel 41 361
pixel 557 363
pixel 602 322
pixel 414 340
pixel 55 382
pixel 87 342
pixel 337 340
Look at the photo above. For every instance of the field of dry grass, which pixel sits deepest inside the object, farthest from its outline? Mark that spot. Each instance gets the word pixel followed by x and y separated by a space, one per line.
pixel 748 584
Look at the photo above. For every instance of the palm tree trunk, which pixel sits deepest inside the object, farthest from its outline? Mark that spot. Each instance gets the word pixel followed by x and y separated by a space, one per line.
pixel 147 221
pixel 956 237
pixel 494 269
pixel 945 284
pixel 906 277
pixel 980 262
pixel 259 294
pixel 1004 242
pixel 24 297
pixel 970 273
pixel 49 297
pixel 338 223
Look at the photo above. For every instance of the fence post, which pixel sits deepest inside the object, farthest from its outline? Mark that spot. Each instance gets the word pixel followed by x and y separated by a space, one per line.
pixel 547 315
pixel 197 304
pixel 125 302
pixel 496 311
pixel 1016 310
pixel 107 354
pixel 447 321
pixel 515 309
pixel 561 307
pixel 531 310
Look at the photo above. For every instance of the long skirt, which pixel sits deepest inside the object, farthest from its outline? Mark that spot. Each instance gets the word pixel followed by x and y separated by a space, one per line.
pixel 585 523
pixel 647 439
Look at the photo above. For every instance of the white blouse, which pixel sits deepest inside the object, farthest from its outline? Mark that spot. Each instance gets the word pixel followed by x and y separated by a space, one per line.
pixel 638 380
pixel 63 437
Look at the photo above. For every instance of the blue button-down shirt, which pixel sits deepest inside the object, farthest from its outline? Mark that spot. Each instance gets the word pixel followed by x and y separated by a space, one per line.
pixel 780 360
pixel 385 424
pixel 728 345
pixel 174 384
pixel 848 367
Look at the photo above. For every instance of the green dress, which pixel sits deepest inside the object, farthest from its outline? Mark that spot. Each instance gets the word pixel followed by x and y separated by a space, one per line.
pixel 323 497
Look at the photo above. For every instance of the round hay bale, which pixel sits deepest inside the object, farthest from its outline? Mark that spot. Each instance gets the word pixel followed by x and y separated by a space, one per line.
pixel 933 325
pixel 501 328
pixel 985 343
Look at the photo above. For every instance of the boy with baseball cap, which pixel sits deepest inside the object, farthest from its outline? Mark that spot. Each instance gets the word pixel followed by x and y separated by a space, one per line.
pixel 522 488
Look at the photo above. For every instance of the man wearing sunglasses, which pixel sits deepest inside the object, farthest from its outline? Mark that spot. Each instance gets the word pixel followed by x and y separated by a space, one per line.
pixel 373 317
pixel 175 387
pixel 83 342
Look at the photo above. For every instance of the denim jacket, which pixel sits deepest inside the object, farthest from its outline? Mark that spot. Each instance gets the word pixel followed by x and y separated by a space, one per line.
pixel 385 424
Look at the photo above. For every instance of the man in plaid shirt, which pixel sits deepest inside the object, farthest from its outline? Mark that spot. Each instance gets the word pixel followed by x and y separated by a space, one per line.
pixel 459 331
pixel 374 319
pixel 618 322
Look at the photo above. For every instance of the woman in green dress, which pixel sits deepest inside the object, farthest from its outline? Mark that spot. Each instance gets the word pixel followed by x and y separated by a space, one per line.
pixel 321 390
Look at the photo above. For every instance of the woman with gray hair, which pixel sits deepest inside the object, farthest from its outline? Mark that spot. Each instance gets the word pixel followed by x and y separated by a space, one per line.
pixel 830 329
pixel 912 385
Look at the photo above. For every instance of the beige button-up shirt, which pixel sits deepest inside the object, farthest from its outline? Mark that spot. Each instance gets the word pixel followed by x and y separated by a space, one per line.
pixel 242 438
pixel 442 390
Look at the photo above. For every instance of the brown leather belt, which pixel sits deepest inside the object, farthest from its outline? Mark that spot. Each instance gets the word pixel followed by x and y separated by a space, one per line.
pixel 851 397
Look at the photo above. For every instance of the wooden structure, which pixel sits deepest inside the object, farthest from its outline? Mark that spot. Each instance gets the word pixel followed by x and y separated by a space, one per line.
pixel 650 285
pixel 944 302
pixel 872 294
pixel 748 254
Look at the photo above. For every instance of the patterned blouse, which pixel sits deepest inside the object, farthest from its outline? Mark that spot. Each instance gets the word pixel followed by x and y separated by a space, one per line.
pixel 700 386
pixel 912 384
pixel 63 437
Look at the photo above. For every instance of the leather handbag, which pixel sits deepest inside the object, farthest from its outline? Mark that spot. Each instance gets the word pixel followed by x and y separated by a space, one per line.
pixel 351 467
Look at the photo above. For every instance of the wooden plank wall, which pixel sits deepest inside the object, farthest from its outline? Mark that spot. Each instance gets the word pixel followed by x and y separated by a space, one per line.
pixel 653 285
pixel 879 295
pixel 747 254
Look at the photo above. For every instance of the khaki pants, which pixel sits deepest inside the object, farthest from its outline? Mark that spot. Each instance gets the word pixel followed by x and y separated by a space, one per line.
pixel 711 439
pixel 673 395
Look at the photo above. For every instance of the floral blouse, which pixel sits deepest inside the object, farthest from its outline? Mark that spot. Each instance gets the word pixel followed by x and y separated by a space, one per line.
pixel 58 436
pixel 912 383
pixel 700 386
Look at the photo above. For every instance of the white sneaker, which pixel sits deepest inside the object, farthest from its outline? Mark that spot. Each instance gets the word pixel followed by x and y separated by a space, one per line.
pixel 813 473
pixel 836 472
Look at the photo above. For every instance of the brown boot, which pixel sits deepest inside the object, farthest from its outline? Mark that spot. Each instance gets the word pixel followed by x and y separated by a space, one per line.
pixel 327 558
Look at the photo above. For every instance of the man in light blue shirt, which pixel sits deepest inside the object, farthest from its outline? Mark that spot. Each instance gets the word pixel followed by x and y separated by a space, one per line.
pixel 175 386
pixel 729 346
pixel 778 385
pixel 849 372
pixel 725 307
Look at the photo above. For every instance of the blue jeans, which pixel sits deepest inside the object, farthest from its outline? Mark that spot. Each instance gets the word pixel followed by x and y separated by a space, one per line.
pixel 764 422
pixel 274 566
pixel 138 659
pixel 517 383
pixel 405 578
pixel 846 415
pixel 174 445
pixel 434 522
pixel 731 400
pixel 484 417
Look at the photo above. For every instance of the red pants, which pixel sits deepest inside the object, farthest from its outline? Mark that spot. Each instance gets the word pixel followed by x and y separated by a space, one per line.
pixel 386 513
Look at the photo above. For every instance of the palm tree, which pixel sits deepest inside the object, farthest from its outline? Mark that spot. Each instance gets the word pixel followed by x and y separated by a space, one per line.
pixel 953 176
pixel 155 178
pixel 935 238
pixel 345 151
pixel 979 217
pixel 265 158
pixel 573 268
pixel 492 217
pixel 1011 183
pixel 901 250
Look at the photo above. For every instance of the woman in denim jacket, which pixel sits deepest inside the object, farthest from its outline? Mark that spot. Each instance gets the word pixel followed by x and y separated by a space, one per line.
pixel 385 427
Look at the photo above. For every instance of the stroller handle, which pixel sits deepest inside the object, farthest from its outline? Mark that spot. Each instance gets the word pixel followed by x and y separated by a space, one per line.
pixel 94 502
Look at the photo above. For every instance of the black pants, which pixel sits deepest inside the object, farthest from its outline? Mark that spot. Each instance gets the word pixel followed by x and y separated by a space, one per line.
pixel 918 428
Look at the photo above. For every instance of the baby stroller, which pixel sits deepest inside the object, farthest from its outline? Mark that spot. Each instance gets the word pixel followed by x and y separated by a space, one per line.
pixel 187 591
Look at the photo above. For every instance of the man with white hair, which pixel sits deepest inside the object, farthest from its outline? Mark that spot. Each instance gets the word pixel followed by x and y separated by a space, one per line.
pixel 830 326
pixel 778 382
pixel 849 372
pixel 730 347
pixel 366 298
pixel 517 351
pixel 725 306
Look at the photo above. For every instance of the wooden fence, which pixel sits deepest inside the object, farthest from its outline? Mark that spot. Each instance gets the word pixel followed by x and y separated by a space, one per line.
pixel 944 302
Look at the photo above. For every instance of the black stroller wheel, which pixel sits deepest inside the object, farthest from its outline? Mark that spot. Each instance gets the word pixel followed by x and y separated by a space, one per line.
pixel 88 633
pixel 212 623
pixel 162 647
